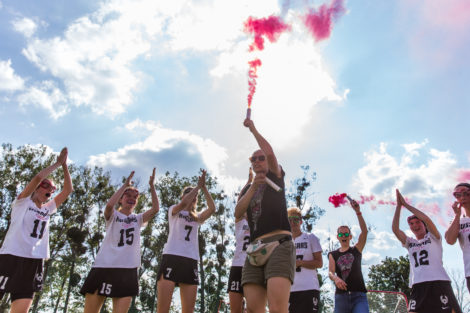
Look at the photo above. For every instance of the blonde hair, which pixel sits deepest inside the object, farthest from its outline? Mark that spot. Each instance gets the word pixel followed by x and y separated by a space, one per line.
pixel 192 212
pixel 294 211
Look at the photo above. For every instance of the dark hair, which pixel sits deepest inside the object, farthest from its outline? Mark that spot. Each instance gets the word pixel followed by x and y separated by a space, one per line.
pixel 409 218
pixel 349 228
pixel 463 185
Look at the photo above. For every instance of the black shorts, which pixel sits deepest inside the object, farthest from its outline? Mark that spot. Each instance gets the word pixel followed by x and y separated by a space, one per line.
pixel 306 301
pixel 19 276
pixel 468 284
pixel 178 269
pixel 235 280
pixel 112 282
pixel 433 297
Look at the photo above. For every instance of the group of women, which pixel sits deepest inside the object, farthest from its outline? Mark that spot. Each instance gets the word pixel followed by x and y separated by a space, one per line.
pixel 275 263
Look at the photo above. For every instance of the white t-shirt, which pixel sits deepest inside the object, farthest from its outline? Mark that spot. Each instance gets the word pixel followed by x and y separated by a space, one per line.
pixel 242 238
pixel 306 279
pixel 121 245
pixel 182 239
pixel 28 234
pixel 464 240
pixel 425 259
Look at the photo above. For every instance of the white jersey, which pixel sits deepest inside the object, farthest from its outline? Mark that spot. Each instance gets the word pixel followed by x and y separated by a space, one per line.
pixel 28 234
pixel 121 245
pixel 464 240
pixel 182 239
pixel 425 259
pixel 306 279
pixel 242 238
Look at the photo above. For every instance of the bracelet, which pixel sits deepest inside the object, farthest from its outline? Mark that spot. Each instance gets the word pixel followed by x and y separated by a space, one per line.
pixel 358 213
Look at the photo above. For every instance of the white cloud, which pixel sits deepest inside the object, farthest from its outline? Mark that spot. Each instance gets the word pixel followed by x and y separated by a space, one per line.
pixel 383 240
pixel 429 179
pixel 47 96
pixel 9 81
pixel 25 26
pixel 94 58
pixel 168 150
pixel 370 257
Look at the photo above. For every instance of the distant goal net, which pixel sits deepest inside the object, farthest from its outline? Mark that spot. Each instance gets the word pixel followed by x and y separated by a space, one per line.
pixel 387 301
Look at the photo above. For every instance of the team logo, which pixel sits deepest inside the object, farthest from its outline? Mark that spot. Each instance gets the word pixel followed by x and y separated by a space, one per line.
pixel 196 276
pixel 315 301
pixel 444 299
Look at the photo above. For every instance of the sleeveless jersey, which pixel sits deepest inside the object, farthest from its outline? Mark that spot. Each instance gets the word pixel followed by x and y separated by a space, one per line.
pixel 464 240
pixel 121 245
pixel 306 279
pixel 425 259
pixel 242 238
pixel 182 239
pixel 28 234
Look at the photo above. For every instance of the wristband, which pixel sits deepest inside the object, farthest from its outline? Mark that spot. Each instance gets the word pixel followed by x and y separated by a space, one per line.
pixel 358 213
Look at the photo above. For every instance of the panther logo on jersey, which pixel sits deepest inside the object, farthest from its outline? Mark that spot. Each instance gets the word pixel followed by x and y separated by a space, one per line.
pixel 444 299
pixel 315 301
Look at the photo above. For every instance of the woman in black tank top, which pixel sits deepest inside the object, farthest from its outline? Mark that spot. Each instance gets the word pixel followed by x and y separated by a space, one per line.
pixel 345 269
pixel 267 218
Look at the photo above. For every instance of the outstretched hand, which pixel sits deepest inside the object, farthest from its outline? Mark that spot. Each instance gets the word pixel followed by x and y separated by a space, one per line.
pixel 356 207
pixel 400 200
pixel 62 158
pixel 152 179
pixel 129 181
pixel 202 179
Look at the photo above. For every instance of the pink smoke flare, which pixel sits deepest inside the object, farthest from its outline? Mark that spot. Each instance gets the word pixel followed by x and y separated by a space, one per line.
pixel 252 79
pixel 271 28
pixel 338 199
pixel 320 22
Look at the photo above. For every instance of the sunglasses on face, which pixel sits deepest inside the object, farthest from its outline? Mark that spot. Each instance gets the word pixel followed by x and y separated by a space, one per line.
pixel 48 186
pixel 343 235
pixel 461 194
pixel 260 158
pixel 294 219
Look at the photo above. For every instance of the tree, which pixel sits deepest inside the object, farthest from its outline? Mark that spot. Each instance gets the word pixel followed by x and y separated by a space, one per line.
pixel 391 274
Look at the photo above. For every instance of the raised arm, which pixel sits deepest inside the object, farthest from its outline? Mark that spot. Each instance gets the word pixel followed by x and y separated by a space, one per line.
pixel 244 201
pixel 247 185
pixel 362 239
pixel 401 236
pixel 426 220
pixel 149 214
pixel 332 274
pixel 108 211
pixel 265 147
pixel 204 215
pixel 67 189
pixel 34 183
pixel 452 232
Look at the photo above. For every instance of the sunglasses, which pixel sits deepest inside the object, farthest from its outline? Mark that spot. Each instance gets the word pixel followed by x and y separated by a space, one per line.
pixel 461 194
pixel 294 219
pixel 48 186
pixel 260 158
pixel 343 235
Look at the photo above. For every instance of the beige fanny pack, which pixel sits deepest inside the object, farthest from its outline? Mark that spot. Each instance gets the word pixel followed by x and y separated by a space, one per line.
pixel 258 252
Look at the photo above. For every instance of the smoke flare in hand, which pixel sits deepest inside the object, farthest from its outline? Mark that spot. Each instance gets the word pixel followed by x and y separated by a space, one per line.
pixel 320 21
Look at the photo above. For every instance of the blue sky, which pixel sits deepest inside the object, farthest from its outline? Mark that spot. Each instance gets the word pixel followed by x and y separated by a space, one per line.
pixel 383 103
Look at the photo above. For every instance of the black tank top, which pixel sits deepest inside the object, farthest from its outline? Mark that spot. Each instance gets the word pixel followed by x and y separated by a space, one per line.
pixel 348 268
pixel 267 210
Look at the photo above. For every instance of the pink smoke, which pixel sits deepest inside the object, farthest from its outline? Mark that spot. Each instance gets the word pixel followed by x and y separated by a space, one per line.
pixel 271 28
pixel 320 21
pixel 463 176
pixel 252 79
pixel 338 199
pixel 433 211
